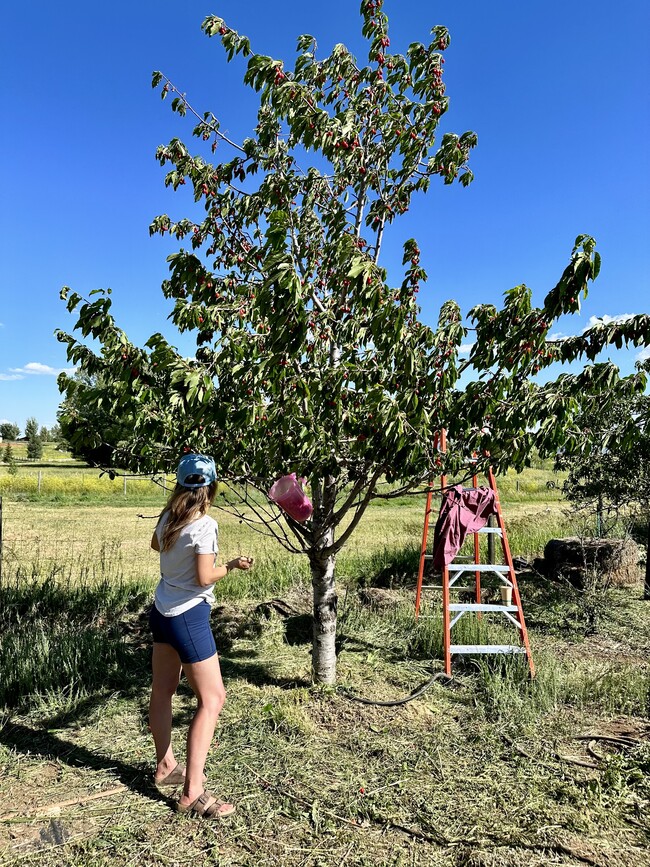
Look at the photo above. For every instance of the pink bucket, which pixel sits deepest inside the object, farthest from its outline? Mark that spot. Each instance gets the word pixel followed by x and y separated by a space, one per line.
pixel 287 492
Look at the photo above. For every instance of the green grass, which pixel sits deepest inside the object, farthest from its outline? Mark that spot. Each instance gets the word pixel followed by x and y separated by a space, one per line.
pixel 50 452
pixel 319 779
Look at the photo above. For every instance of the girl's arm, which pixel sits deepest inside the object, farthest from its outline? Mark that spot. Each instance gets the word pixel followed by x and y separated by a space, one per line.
pixel 207 573
pixel 154 542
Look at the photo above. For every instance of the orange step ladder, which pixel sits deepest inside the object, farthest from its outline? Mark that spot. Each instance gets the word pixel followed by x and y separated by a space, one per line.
pixel 451 572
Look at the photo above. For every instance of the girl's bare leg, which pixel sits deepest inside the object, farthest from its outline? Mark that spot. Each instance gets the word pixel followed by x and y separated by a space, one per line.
pixel 166 665
pixel 205 679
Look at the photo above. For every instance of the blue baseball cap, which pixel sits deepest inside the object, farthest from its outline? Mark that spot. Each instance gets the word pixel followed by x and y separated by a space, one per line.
pixel 196 471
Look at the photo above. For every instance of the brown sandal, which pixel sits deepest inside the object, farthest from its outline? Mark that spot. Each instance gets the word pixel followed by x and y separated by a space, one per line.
pixel 206 806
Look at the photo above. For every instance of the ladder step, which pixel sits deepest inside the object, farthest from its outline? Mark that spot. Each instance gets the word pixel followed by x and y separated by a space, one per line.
pixel 463 649
pixel 476 567
pixel 480 606
pixel 485 530
pixel 467 557
pixel 452 587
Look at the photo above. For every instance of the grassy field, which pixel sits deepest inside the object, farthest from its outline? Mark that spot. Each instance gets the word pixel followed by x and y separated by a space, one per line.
pixel 57 478
pixel 494 770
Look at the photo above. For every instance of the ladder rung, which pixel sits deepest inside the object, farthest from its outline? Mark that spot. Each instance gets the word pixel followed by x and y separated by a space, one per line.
pixel 476 567
pixel 480 606
pixel 485 648
pixel 467 557
pixel 451 587
pixel 494 530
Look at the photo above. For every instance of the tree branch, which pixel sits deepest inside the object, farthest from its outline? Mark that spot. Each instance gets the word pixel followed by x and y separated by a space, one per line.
pixel 343 538
pixel 202 120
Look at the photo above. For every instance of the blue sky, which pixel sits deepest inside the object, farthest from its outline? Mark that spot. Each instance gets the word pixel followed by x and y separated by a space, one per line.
pixel 556 91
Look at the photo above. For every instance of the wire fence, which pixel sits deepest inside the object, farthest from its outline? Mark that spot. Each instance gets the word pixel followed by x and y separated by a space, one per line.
pixel 94 543
pixel 82 483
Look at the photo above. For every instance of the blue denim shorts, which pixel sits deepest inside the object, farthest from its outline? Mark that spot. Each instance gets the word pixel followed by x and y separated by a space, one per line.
pixel 188 633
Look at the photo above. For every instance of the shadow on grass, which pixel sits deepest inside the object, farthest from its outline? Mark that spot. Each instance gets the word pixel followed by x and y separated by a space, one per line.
pixel 39 743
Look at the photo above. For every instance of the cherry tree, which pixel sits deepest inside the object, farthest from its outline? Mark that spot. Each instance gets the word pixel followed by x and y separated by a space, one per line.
pixel 609 467
pixel 309 358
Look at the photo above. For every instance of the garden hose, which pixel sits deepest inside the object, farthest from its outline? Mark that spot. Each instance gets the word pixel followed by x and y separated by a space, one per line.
pixel 439 675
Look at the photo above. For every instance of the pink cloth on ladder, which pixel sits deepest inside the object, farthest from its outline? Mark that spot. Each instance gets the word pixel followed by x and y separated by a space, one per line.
pixel 463 511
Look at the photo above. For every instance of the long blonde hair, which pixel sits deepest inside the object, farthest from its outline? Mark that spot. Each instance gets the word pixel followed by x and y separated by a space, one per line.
pixel 184 505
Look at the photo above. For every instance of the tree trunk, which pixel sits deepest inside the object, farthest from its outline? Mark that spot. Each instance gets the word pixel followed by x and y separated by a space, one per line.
pixel 646 583
pixel 323 653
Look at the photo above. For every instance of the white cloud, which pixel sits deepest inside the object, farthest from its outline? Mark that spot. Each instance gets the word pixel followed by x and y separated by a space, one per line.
pixel 465 348
pixel 10 377
pixel 593 321
pixel 35 368
pixel 643 355
pixel 606 320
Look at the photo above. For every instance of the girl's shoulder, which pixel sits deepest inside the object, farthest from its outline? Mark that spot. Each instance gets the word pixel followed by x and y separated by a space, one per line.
pixel 203 523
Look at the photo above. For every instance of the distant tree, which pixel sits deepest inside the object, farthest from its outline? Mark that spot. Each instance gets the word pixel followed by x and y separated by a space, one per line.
pixel 34 443
pixel 9 431
pixel 55 433
pixel 34 449
pixel 7 454
pixel 88 428
pixel 609 477
pixel 31 428
pixel 44 434
pixel 12 468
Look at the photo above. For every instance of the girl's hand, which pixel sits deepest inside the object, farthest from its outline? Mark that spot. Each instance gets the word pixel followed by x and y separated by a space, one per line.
pixel 244 563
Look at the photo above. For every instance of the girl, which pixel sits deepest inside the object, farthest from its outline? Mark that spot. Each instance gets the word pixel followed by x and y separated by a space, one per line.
pixel 186 537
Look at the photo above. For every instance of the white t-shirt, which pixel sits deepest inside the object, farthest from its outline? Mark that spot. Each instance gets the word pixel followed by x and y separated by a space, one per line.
pixel 178 589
